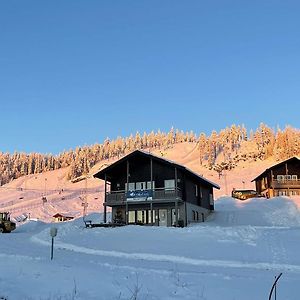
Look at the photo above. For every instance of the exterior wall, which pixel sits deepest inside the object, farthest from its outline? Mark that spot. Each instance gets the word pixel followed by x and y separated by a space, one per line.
pixel 190 203
pixel 289 168
pixel 268 186
pixel 195 213
pixel 140 170
pixel 120 212
pixel 203 193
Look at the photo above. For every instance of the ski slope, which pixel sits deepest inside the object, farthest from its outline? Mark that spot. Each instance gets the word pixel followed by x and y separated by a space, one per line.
pixel 234 255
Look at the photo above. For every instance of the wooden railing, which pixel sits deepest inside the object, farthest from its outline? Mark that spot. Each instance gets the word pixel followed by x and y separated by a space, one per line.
pixel 286 183
pixel 158 194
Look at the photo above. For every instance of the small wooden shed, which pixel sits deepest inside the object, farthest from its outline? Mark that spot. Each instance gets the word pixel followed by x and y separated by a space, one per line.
pixel 61 217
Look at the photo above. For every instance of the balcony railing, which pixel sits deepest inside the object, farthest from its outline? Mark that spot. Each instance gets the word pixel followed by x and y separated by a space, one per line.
pixel 159 194
pixel 286 183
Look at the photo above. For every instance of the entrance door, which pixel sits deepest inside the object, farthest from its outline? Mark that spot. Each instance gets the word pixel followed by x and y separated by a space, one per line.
pixel 162 217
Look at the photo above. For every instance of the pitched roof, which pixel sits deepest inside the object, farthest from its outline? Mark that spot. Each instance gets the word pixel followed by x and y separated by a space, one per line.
pixel 101 173
pixel 274 166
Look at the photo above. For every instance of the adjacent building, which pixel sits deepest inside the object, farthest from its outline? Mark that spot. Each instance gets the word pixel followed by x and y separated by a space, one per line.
pixel 142 188
pixel 282 179
pixel 62 217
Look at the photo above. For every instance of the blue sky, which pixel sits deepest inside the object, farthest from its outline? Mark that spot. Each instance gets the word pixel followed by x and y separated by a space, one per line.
pixel 75 72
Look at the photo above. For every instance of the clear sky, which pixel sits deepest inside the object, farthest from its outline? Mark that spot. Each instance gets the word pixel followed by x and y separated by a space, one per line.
pixel 75 72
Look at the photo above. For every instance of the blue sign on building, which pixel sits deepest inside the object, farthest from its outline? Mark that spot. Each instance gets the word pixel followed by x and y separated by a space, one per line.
pixel 139 195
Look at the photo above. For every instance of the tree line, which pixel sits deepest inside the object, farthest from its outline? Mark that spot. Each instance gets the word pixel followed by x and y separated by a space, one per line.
pixel 218 151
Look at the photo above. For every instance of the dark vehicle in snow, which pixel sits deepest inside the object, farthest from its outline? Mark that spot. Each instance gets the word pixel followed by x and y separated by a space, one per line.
pixel 6 225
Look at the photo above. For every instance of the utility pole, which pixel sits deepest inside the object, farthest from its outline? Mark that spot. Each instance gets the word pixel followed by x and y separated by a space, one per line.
pixel 44 198
pixel 84 202
pixel 225 181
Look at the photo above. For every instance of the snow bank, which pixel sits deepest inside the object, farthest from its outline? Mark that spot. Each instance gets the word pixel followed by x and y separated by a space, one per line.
pixel 279 211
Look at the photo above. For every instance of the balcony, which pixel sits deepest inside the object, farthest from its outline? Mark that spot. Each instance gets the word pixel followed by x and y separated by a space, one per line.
pixel 144 196
pixel 285 184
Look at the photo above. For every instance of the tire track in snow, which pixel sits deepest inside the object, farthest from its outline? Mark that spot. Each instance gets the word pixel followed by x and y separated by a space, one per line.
pixel 172 258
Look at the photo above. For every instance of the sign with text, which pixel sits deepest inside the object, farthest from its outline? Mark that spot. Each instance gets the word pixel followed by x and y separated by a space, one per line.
pixel 139 195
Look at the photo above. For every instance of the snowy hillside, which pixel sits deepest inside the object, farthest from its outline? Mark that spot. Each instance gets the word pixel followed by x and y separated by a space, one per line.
pixel 235 255
pixel 24 195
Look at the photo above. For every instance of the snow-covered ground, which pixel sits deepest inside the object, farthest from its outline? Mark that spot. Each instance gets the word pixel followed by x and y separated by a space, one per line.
pixel 234 255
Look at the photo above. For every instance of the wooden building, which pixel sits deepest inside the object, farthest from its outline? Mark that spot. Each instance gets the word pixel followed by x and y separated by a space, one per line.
pixel 60 217
pixel 282 179
pixel 142 188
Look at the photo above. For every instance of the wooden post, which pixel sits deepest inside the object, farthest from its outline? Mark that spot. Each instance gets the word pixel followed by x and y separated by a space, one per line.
pixel 176 213
pixel 126 212
pixel 287 173
pixel 151 178
pixel 176 202
pixel 272 180
pixel 175 182
pixel 104 204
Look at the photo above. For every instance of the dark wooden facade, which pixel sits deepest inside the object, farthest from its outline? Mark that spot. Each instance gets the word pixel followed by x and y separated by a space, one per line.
pixel 282 179
pixel 142 188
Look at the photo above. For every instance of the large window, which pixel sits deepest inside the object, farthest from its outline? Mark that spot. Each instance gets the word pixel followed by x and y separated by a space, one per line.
pixel 170 185
pixel 131 186
pixel 139 186
pixel 288 177
pixel 149 185
pixel 131 216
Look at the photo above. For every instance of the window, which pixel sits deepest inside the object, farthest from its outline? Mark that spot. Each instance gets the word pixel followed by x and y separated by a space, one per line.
pixel 280 177
pixel 170 185
pixel 140 186
pixel 211 199
pixel 131 216
pixel 131 186
pixel 149 216
pixel 294 177
pixel 288 177
pixel 149 185
pixel 196 190
pixel 174 216
pixel 194 215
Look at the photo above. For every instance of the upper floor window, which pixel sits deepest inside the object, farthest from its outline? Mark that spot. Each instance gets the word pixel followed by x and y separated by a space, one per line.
pixel 196 190
pixel 131 186
pixel 170 185
pixel 140 186
pixel 286 177
pixel 149 185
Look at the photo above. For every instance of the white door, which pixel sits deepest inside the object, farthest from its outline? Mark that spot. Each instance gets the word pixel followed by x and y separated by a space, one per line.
pixel 162 217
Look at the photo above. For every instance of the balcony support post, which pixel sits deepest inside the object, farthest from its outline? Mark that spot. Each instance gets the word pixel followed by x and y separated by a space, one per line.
pixel 272 180
pixel 176 213
pixel 126 209
pixel 287 173
pixel 176 182
pixel 105 195
pixel 151 179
